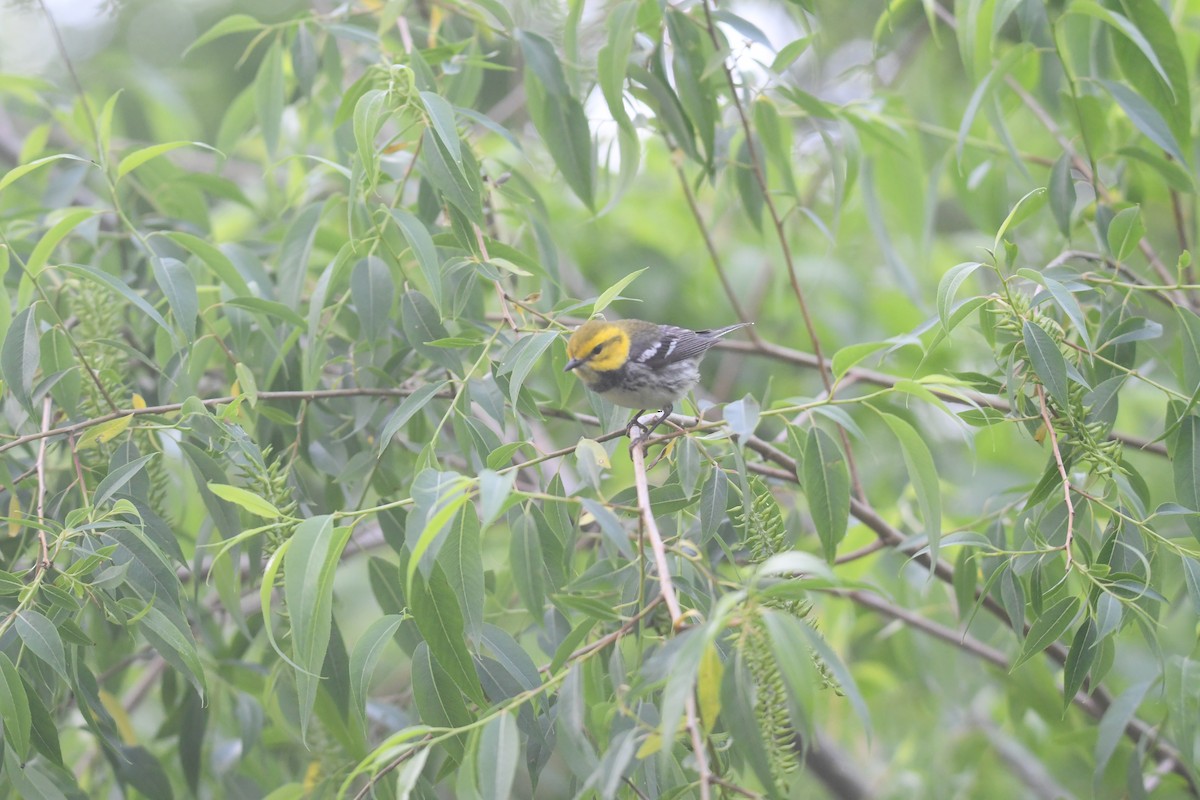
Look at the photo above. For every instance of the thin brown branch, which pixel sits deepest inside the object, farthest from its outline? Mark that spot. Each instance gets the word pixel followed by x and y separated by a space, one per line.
pixel 669 596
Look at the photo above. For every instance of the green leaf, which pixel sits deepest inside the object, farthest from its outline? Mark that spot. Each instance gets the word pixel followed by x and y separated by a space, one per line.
pixel 217 262
pixel 16 173
pixel 499 747
pixel 1047 361
pixel 115 481
pixel 1079 660
pixel 1145 118
pixel 441 115
pixel 1186 467
pixel 177 283
pixel 140 156
pixel 235 23
pixel 14 708
pixel 20 356
pixel 406 410
pixel 1112 726
pixel 827 487
pixel 313 553
pixel 1070 306
pixel 1025 208
pixel 557 115
pixel 121 288
pixel 923 473
pixel 712 503
pixel 268 95
pixel 853 354
pixel 437 698
pixel 372 290
pixel 1123 26
pixel 1062 193
pixel 175 644
pixel 461 558
pixel 1125 230
pixel 528 564
pixel 439 618
pixel 42 639
pixel 946 291
pixel 366 654
pixel 742 417
pixel 423 249
pixel 1046 629
pixel 254 503
pixel 521 359
pixel 983 91
pixel 613 292
pixel 421 324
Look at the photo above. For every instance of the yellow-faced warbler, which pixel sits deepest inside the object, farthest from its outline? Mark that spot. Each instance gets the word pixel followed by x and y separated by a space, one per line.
pixel 638 364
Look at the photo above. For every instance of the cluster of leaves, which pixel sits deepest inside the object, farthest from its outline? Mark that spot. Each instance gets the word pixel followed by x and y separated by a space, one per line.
pixel 236 359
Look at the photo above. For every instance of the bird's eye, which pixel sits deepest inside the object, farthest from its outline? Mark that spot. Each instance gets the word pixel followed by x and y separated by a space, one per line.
pixel 596 350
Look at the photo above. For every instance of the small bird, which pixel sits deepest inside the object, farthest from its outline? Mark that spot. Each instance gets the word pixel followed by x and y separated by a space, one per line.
pixel 638 364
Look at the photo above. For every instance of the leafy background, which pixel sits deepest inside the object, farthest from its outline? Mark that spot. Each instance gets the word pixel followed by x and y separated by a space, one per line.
pixel 299 501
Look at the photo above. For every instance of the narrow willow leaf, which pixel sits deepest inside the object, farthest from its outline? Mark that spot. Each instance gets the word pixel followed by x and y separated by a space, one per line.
pixel 104 432
pixel 441 117
pixel 1070 306
pixel 1145 118
pixel 613 292
pixel 528 564
pixel 121 288
pixel 984 90
pixel 254 503
pixel 366 654
pixel 20 356
pixel 713 496
pixel 1186 467
pixel 1079 660
pixel 14 708
pixel 439 618
pixel 268 95
pixel 1047 361
pixel 373 290
pixel 41 637
pixel 827 487
pixel 853 354
pixel 1062 193
pixel 948 288
pixel 308 568
pixel 499 749
pixel 558 115
pixel 421 324
pixel 438 700
pixel 16 173
pixel 1112 726
pixel 523 357
pixel 1025 208
pixel 461 558
pixel 418 238
pixel 923 473
pixel 1125 230
pixel 115 481
pixel 142 155
pixel 235 23
pixel 174 642
pixel 177 283
pixel 406 411
pixel 1046 629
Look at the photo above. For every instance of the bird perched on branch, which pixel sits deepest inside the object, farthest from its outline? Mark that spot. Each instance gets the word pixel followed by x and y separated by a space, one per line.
pixel 639 364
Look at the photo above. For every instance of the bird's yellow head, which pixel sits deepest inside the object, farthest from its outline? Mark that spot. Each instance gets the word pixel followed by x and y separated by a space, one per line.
pixel 598 345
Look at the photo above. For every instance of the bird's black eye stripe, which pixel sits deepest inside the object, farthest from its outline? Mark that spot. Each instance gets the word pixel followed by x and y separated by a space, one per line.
pixel 596 350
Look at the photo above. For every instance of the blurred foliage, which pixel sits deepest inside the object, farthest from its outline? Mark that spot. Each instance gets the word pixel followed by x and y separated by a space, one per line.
pixel 300 503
